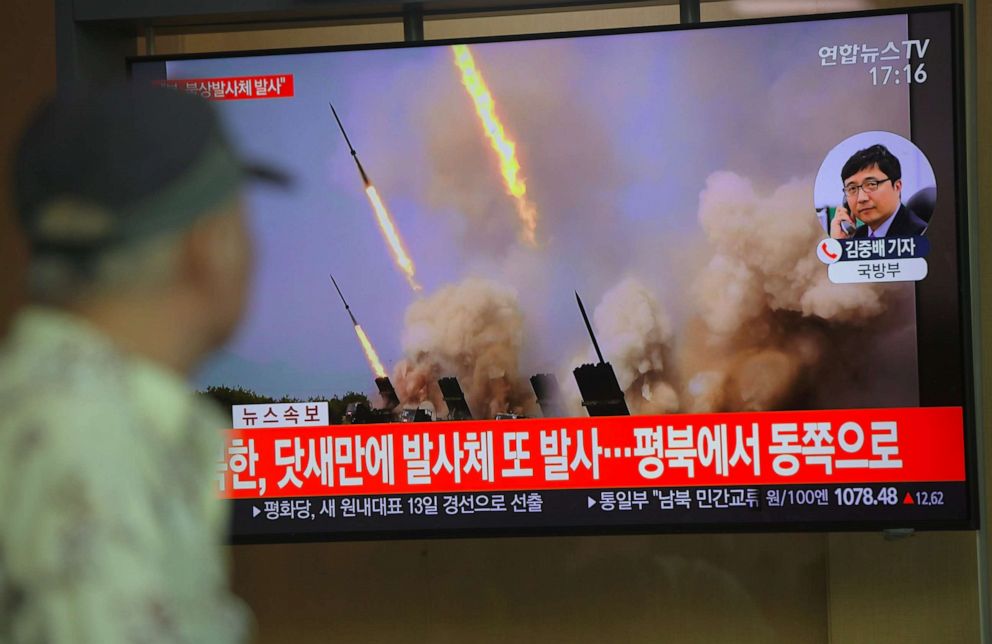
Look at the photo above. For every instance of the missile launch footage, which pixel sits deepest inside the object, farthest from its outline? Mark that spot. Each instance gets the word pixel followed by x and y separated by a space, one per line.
pixel 505 148
pixel 374 363
pixel 522 174
pixel 382 216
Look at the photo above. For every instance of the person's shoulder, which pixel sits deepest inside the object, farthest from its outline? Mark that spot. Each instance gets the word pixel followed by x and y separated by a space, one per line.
pixel 918 222
pixel 907 223
pixel 63 399
pixel 68 422
pixel 92 402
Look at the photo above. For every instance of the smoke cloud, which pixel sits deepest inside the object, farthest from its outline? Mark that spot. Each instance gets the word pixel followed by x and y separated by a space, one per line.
pixel 767 317
pixel 636 338
pixel 472 330
pixel 764 324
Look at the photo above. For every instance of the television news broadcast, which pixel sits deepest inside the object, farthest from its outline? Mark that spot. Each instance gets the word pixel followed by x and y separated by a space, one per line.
pixel 646 280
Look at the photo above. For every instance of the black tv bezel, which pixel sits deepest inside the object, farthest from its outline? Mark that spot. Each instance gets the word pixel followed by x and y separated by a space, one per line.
pixel 964 252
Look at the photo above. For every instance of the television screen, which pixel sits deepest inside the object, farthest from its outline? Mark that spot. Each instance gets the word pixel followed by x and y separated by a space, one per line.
pixel 658 279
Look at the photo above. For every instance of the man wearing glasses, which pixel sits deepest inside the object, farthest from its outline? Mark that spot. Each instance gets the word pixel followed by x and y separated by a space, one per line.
pixel 873 194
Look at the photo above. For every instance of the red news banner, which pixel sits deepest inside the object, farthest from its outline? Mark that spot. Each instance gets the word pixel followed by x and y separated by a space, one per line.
pixel 767 448
pixel 234 87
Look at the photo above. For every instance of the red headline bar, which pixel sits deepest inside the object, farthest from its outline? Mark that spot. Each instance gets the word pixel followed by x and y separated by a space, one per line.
pixel 234 88
pixel 764 448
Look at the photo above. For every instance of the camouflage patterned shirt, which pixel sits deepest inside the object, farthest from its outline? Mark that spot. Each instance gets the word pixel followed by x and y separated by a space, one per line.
pixel 110 529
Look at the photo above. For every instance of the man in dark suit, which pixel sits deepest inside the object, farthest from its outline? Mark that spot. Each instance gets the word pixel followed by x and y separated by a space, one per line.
pixel 873 188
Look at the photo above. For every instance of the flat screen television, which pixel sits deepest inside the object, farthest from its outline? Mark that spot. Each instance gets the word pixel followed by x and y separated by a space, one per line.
pixel 643 280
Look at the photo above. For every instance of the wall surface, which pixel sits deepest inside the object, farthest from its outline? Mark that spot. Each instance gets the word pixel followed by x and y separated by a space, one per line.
pixel 686 588
pixel 710 588
pixel 27 70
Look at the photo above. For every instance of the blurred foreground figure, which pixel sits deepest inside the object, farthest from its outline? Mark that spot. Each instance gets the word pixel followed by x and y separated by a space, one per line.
pixel 110 529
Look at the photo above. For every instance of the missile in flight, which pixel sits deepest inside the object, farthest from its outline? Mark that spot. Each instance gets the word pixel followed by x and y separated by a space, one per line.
pixel 343 301
pixel 592 335
pixel 354 155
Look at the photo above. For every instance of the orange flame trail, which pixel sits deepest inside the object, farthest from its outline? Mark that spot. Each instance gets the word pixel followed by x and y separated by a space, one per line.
pixel 392 237
pixel 370 353
pixel 485 107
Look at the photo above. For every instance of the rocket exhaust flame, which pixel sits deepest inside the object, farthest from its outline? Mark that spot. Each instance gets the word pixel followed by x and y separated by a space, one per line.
pixel 485 107
pixel 370 353
pixel 392 237
pixel 382 216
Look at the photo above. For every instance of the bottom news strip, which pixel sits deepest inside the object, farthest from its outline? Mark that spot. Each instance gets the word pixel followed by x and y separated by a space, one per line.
pixel 615 508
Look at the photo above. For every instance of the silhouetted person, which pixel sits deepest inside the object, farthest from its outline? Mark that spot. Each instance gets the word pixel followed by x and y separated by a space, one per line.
pixel 110 529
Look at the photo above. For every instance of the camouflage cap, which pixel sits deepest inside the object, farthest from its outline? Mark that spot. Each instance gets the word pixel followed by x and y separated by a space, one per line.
pixel 98 167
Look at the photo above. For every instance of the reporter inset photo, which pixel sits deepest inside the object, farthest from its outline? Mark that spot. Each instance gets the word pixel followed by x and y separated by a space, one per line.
pixel 875 185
